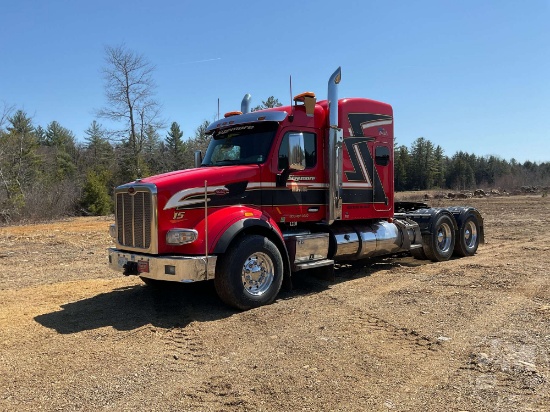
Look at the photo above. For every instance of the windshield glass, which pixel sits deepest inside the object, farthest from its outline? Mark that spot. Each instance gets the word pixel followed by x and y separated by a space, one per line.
pixel 240 144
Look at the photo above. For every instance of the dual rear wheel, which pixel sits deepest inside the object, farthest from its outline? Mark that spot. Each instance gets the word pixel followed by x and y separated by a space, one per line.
pixel 444 240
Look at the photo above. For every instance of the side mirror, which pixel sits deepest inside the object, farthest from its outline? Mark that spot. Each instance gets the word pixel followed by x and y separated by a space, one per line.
pixel 296 152
pixel 198 158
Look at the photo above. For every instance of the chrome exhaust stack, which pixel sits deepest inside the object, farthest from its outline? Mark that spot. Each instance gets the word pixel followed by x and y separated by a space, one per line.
pixel 245 104
pixel 335 141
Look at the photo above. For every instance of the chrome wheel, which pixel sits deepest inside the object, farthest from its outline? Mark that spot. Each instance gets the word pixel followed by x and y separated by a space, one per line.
pixel 438 245
pixel 257 274
pixel 444 238
pixel 470 234
pixel 250 273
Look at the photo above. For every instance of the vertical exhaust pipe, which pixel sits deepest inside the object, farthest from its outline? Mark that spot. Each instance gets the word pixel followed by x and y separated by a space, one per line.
pixel 333 97
pixel 335 141
pixel 245 104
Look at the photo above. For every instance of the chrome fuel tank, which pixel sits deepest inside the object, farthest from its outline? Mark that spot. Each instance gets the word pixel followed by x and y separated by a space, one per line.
pixel 366 240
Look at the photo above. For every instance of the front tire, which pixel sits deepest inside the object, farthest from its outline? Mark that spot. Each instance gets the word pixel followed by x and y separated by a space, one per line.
pixel 250 273
pixel 439 245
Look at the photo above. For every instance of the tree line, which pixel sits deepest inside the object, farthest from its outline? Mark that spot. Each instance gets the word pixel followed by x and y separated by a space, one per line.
pixel 45 173
pixel 424 166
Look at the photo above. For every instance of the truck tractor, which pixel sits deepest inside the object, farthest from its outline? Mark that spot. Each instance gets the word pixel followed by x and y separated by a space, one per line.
pixel 278 191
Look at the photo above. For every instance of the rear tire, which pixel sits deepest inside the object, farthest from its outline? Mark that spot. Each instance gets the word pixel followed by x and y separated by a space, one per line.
pixel 467 240
pixel 250 273
pixel 439 245
pixel 418 253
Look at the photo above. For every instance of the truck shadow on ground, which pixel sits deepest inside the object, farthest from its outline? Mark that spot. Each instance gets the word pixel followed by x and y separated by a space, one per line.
pixel 177 305
pixel 306 282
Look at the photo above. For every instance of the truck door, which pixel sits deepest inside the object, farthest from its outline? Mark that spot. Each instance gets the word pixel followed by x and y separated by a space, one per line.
pixel 302 196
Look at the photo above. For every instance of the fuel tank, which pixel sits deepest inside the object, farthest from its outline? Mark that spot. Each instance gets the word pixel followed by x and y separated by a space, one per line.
pixel 359 241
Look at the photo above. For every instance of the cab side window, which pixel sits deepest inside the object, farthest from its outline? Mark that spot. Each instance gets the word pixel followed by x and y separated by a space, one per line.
pixel 310 143
pixel 382 155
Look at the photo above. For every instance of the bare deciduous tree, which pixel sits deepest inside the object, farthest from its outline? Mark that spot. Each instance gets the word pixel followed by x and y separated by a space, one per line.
pixel 5 111
pixel 130 91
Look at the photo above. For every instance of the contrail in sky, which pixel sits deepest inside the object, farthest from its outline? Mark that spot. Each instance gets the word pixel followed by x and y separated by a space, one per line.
pixel 199 61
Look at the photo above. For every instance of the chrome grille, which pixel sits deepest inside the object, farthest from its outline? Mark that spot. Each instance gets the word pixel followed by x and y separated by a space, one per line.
pixel 134 219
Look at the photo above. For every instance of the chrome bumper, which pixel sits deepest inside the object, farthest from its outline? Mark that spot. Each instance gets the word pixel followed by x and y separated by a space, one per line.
pixel 170 268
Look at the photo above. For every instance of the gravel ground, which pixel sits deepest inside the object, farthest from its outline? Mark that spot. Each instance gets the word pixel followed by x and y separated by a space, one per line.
pixel 394 334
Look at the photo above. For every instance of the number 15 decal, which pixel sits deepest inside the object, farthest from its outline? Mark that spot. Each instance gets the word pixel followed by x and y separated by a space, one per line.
pixel 178 215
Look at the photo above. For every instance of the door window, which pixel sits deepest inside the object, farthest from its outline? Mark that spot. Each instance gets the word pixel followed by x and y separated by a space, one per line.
pixel 310 143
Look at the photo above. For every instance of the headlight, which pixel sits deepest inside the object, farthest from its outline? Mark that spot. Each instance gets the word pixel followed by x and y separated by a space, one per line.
pixel 181 236
pixel 112 231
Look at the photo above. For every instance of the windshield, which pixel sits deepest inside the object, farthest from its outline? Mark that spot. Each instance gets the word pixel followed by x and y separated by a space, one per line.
pixel 240 144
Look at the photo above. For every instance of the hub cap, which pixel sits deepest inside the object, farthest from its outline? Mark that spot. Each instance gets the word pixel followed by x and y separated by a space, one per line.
pixel 470 234
pixel 444 238
pixel 257 274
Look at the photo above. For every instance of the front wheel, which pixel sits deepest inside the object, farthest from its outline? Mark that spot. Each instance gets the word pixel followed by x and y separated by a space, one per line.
pixel 250 273
pixel 439 245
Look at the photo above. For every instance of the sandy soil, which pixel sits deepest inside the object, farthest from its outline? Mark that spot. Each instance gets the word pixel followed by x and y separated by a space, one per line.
pixel 397 334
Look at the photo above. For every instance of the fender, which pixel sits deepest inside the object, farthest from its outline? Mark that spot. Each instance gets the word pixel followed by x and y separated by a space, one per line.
pixel 461 213
pixel 242 219
pixel 226 223
pixel 426 218
pixel 232 231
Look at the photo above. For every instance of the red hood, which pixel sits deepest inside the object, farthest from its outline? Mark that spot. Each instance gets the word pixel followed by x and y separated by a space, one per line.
pixel 170 183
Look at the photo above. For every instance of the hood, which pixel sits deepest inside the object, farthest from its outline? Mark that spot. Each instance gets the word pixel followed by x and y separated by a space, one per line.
pixel 186 188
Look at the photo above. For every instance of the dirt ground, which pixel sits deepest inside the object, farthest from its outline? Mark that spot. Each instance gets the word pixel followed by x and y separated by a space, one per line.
pixel 396 334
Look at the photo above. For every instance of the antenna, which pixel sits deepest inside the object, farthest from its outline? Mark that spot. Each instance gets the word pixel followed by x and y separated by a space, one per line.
pixel 291 91
pixel 291 105
pixel 218 108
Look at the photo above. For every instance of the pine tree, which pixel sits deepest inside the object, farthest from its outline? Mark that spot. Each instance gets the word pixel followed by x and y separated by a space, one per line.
pixel 268 104
pixel 19 163
pixel 461 174
pixel 96 198
pixel 99 151
pixel 201 139
pixel 401 167
pixel 439 167
pixel 175 147
pixel 151 151
pixel 422 164
pixel 62 151
pixel 60 137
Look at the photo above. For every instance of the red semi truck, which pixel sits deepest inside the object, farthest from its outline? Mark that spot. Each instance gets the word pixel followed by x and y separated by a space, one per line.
pixel 278 191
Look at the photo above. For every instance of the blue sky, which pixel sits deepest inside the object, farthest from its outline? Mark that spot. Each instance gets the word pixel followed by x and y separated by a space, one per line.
pixel 467 75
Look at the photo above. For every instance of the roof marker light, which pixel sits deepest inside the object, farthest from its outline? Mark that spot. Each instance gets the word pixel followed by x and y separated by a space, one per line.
pixel 229 114
pixel 309 100
pixel 301 97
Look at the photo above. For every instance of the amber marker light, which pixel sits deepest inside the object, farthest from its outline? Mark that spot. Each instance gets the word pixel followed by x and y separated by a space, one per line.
pixel 229 114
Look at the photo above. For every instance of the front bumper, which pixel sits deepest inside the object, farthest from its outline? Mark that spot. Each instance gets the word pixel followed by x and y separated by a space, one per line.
pixel 170 268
